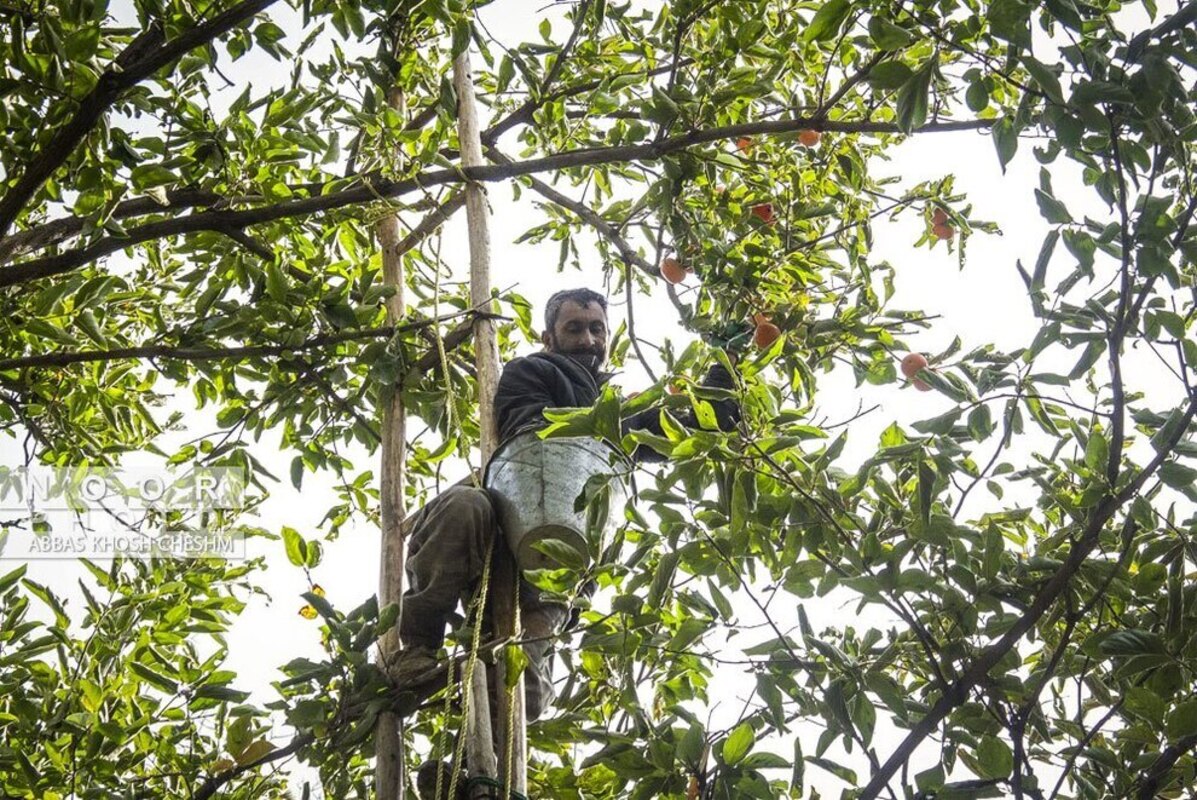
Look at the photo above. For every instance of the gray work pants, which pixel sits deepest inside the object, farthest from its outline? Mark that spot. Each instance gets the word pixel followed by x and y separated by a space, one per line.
pixel 446 552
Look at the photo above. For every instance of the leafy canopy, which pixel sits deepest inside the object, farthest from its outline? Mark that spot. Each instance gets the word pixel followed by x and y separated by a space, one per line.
pixel 156 236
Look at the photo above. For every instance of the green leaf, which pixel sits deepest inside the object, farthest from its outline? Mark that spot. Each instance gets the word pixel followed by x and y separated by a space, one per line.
pixel 506 73
pixel 1093 351
pixel 276 282
pixel 254 751
pixel 1046 79
pixel 764 761
pixel 1052 209
pixel 738 744
pixel 913 99
pixel 10 578
pixel 515 660
pixel 86 320
pixel 838 770
pixel 798 776
pixel 315 551
pixel 1131 643
pixel 269 33
pixel 296 547
pixel 1005 140
pixel 146 175
pixel 888 36
pixel 977 96
pixel 1097 451
pixel 1010 20
pixel 995 758
pixel 1182 721
pixel 929 780
pixel 322 606
pixel 1178 476
pixel 225 694
pixel 1047 335
pixel 1045 257
pixel 153 677
pixel 889 75
pixel 827 21
pixel 461 37
pixel 564 554
pixel 297 471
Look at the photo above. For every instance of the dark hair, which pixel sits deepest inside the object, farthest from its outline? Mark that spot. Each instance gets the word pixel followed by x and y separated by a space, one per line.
pixel 583 297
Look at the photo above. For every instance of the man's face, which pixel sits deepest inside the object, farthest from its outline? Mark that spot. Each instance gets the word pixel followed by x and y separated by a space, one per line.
pixel 581 333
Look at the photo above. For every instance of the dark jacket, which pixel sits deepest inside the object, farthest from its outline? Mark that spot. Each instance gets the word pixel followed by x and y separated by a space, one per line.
pixel 543 380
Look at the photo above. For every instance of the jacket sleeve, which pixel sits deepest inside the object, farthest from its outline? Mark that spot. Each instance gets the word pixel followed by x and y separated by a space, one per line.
pixel 524 392
pixel 727 415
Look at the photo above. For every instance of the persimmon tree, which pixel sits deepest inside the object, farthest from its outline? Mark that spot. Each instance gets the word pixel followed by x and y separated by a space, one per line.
pixel 1027 553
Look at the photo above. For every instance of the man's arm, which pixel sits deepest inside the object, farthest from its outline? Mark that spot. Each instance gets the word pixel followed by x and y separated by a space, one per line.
pixel 524 392
pixel 727 414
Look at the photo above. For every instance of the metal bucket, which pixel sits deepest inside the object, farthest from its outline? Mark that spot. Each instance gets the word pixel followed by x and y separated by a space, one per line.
pixel 535 483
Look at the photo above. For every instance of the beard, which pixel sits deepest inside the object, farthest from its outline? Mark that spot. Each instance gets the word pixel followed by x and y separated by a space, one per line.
pixel 591 358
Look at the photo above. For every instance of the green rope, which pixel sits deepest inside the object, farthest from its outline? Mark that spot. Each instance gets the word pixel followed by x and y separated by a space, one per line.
pixel 482 780
pixel 471 663
pixel 509 749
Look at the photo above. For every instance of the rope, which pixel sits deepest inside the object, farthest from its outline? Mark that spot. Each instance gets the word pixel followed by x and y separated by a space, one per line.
pixel 471 663
pixel 450 685
pixel 482 780
pixel 509 748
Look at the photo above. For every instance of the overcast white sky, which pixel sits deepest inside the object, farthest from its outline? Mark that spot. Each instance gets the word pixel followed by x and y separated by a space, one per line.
pixel 985 303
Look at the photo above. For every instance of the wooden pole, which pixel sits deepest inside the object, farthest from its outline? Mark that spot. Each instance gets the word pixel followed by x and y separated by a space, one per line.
pixel 388 735
pixel 482 755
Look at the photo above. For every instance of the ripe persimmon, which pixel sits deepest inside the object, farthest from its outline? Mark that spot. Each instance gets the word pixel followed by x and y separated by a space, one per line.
pixel 764 212
pixel 913 364
pixel 808 137
pixel 744 144
pixel 672 270
pixel 943 231
pixel 766 333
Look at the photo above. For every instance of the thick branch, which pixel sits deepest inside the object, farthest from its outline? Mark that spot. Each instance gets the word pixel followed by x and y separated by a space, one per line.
pixel 1154 778
pixel 57 230
pixel 229 353
pixel 225 220
pixel 144 56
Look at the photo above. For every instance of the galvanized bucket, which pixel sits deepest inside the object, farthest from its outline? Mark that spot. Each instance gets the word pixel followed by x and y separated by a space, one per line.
pixel 535 484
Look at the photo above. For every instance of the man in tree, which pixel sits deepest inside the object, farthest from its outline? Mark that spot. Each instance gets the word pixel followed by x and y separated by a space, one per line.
pixel 450 535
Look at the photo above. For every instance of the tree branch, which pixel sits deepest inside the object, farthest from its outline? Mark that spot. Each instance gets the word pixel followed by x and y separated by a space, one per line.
pixel 386 188
pixel 248 351
pixel 57 230
pixel 144 56
pixel 1154 778
pixel 587 214
pixel 214 783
